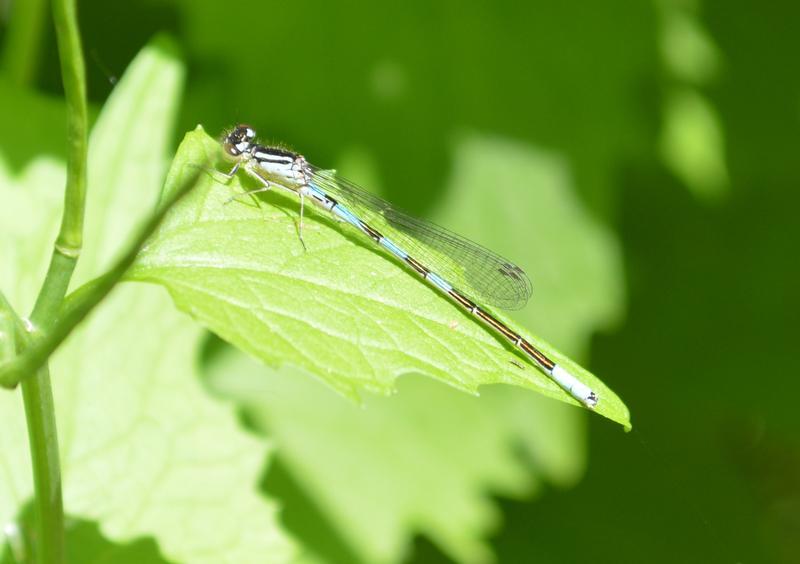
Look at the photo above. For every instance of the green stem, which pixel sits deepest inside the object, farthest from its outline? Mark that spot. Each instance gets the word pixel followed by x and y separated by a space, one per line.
pixel 73 72
pixel 51 296
pixel 36 390
pixel 68 245
pixel 43 440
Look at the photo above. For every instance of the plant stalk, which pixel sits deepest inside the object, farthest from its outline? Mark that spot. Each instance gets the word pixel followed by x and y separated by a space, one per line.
pixel 36 390
pixel 43 440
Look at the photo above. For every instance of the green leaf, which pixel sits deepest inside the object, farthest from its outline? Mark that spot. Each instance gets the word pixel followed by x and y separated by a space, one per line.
pixel 687 49
pixel 343 310
pixel 33 192
pixel 422 461
pixel 365 481
pixel 145 452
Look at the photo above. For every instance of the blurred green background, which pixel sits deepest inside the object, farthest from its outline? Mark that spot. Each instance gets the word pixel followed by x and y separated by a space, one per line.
pixel 678 123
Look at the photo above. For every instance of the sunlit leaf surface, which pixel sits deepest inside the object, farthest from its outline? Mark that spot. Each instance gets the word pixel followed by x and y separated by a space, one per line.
pixel 145 451
pixel 342 309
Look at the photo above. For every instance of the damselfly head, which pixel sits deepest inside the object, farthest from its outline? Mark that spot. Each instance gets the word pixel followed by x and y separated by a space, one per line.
pixel 239 140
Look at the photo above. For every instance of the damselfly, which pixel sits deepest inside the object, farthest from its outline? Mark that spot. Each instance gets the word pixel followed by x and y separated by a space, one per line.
pixel 464 271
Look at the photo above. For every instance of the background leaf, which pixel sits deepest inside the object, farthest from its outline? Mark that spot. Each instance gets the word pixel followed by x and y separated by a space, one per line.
pixel 136 460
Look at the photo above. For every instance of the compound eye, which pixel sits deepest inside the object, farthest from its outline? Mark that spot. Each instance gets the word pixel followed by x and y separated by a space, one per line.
pixel 239 140
pixel 244 133
pixel 230 148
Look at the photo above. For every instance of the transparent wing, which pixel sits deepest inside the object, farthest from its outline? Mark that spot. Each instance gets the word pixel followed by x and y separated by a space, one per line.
pixel 474 270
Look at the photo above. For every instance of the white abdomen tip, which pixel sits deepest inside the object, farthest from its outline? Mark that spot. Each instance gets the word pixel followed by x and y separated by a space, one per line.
pixel 573 386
